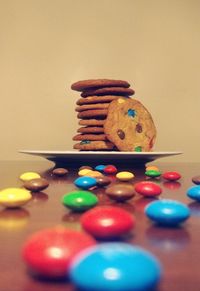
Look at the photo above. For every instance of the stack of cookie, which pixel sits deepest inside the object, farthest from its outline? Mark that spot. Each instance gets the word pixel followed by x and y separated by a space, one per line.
pixel 110 119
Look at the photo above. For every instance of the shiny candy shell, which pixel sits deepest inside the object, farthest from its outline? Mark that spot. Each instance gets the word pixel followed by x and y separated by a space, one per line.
pixel 79 200
pixel 100 168
pixel 148 189
pixel 152 173
pixel 167 212
pixel 110 170
pixel 196 180
pixel 194 192
pixel 105 222
pixel 115 266
pixel 171 176
pixel 84 172
pixel 124 176
pixel 60 172
pixel 36 185
pixel 85 182
pixel 152 168
pixel 29 176
pixel 120 191
pixel 14 197
pixel 50 251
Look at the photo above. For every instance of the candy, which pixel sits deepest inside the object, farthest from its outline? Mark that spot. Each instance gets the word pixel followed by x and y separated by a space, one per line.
pixel 152 168
pixel 100 168
pixel 120 191
pixel 94 174
pixel 148 189
pixel 14 197
pixel 124 176
pixel 115 266
pixel 105 222
pixel 85 182
pixel 36 185
pixel 194 192
pixel 50 251
pixel 103 181
pixel 80 200
pixel 60 172
pixel 85 167
pixel 152 173
pixel 196 180
pixel 29 176
pixel 110 169
pixel 84 172
pixel 171 176
pixel 167 212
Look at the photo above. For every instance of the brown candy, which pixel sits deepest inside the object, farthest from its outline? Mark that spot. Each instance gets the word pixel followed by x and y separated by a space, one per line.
pixel 196 180
pixel 120 191
pixel 60 172
pixel 36 185
pixel 103 181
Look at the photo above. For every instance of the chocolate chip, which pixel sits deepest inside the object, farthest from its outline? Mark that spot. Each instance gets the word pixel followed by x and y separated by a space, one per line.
pixel 138 128
pixel 121 133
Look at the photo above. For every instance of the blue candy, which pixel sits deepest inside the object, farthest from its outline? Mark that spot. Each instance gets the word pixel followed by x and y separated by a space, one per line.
pixel 100 168
pixel 194 193
pixel 167 212
pixel 85 182
pixel 115 267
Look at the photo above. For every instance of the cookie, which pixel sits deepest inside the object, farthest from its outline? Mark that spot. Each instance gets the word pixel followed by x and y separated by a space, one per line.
pixel 100 113
pixel 97 99
pixel 129 125
pixel 91 122
pixel 93 145
pixel 86 84
pixel 91 129
pixel 108 91
pixel 92 106
pixel 90 137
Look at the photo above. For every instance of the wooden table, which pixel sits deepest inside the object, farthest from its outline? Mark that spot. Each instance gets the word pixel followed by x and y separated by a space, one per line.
pixel 178 249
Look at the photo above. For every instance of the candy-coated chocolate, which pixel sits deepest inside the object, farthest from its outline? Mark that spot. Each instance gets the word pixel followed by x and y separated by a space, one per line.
pixel 85 182
pixel 85 167
pixel 103 181
pixel 105 222
pixel 196 180
pixel 194 192
pixel 94 174
pixel 79 200
pixel 84 172
pixel 124 176
pixel 29 176
pixel 171 176
pixel 14 197
pixel 110 170
pixel 100 168
pixel 148 189
pixel 167 212
pixel 36 185
pixel 152 168
pixel 50 251
pixel 120 191
pixel 152 173
pixel 60 172
pixel 115 266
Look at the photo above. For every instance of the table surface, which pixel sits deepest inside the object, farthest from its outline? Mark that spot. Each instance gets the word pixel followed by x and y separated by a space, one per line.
pixel 176 248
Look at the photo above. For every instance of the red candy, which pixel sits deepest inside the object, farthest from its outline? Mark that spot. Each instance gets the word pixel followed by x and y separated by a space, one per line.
pixel 110 169
pixel 50 251
pixel 148 189
pixel 104 222
pixel 171 176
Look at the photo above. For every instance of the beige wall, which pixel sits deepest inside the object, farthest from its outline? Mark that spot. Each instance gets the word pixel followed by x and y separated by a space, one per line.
pixel 45 45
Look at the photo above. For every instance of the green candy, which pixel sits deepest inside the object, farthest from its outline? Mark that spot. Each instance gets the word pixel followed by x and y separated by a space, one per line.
pixel 152 173
pixel 79 200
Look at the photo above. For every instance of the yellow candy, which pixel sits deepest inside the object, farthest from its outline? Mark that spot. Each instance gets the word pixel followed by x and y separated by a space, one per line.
pixel 29 176
pixel 124 176
pixel 14 197
pixel 84 172
pixel 94 174
pixel 154 168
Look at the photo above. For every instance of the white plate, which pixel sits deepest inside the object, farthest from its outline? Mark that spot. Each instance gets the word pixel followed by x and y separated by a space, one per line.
pixel 99 156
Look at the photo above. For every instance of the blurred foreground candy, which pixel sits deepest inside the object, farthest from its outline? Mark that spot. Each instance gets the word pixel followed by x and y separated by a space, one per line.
pixel 14 197
pixel 49 252
pixel 115 267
